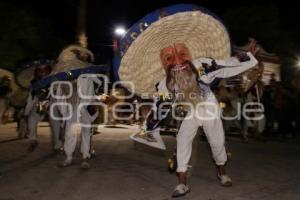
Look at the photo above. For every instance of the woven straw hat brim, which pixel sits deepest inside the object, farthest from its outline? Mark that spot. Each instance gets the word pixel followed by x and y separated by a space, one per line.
pixel 68 61
pixel 13 84
pixel 24 77
pixel 201 33
pixel 18 96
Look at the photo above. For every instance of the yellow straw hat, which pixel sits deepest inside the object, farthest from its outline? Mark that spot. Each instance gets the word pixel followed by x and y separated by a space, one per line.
pixel 69 60
pixel 196 27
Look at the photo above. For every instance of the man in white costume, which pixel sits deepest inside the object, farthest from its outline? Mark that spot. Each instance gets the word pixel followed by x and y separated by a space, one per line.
pixel 77 111
pixel 80 120
pixel 172 50
pixel 34 113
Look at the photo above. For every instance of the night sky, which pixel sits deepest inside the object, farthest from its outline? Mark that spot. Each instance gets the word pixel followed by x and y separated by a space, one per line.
pixel 103 16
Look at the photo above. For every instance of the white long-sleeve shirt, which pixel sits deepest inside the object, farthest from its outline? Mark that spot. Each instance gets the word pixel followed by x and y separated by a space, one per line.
pixel 231 67
pixel 85 85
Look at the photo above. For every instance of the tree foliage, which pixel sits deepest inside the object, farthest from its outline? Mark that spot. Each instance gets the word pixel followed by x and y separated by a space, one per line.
pixel 261 22
pixel 25 35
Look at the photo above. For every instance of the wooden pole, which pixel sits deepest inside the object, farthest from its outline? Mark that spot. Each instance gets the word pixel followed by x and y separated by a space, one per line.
pixel 81 24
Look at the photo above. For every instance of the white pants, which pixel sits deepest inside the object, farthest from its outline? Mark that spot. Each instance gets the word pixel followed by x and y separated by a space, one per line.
pixel 34 118
pixel 23 128
pixel 214 132
pixel 73 129
pixel 56 127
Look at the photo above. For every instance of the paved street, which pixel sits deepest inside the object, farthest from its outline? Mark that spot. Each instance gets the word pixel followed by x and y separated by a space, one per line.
pixel 124 170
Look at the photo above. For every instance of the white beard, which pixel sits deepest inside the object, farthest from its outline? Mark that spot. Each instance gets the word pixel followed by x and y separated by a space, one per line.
pixel 186 83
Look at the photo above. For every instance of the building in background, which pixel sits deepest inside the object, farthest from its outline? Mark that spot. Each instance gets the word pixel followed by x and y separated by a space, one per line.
pixel 269 61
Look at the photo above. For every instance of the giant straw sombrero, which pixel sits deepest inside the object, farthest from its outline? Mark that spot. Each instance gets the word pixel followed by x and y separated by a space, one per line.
pixel 17 96
pixel 25 74
pixel 69 67
pixel 199 29
pixel 68 59
pixel 4 73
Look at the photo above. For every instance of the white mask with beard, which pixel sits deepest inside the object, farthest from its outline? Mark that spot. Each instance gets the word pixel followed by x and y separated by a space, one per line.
pixel 184 78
